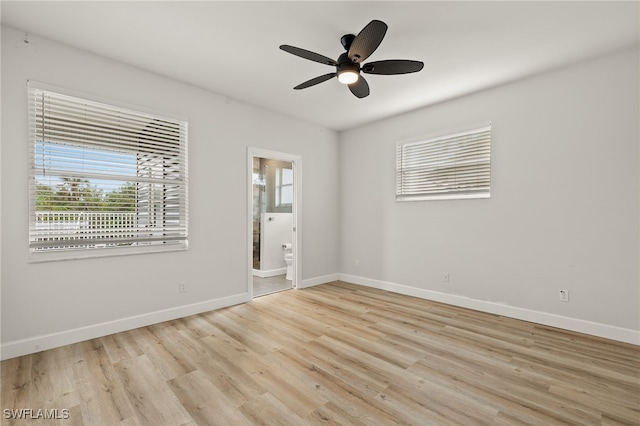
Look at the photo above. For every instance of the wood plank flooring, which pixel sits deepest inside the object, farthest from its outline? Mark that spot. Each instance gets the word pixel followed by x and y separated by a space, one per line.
pixel 332 354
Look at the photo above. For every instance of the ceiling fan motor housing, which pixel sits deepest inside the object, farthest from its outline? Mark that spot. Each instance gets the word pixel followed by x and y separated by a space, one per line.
pixel 345 64
pixel 346 40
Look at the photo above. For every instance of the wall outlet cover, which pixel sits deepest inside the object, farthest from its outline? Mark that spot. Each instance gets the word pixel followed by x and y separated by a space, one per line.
pixel 564 295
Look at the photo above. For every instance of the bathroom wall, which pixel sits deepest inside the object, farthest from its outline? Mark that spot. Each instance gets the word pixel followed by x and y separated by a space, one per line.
pixel 275 231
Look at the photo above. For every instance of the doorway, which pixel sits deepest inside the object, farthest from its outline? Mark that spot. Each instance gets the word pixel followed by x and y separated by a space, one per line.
pixel 274 249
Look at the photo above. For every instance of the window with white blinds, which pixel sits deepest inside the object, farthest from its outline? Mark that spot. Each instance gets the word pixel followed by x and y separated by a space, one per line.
pixel 446 167
pixel 103 179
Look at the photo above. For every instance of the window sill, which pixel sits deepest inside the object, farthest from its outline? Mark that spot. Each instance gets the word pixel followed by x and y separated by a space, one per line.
pixel 59 255
pixel 403 198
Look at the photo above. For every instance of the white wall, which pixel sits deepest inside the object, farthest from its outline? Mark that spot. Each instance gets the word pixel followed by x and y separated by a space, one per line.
pixel 47 304
pixel 275 231
pixel 563 212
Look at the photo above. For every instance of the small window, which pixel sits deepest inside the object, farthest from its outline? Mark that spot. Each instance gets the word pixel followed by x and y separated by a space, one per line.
pixel 446 167
pixel 284 187
pixel 103 179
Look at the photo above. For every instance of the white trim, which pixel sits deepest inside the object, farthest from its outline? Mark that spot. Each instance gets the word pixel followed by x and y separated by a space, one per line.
pixel 296 162
pixel 35 344
pixel 269 273
pixel 55 256
pixel 310 282
pixel 573 324
pixel 403 198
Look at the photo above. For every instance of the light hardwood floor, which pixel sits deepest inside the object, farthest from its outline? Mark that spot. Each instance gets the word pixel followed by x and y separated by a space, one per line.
pixel 333 354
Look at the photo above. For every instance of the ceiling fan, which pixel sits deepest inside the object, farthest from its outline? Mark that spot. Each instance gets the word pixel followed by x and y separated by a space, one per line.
pixel 348 68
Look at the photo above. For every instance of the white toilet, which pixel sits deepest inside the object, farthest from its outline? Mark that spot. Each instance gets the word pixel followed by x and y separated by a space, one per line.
pixel 288 259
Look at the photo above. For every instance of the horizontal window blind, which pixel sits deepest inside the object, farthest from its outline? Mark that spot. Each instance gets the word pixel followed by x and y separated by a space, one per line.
pixel 453 166
pixel 103 176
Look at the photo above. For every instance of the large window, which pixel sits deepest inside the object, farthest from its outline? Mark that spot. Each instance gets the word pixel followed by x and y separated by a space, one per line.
pixel 103 179
pixel 451 166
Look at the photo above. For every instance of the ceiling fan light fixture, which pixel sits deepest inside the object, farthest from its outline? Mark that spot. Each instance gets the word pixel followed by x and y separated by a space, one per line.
pixel 348 76
pixel 348 72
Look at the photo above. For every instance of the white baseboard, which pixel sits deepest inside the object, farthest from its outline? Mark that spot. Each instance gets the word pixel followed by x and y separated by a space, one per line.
pixel 581 326
pixel 35 344
pixel 270 272
pixel 49 341
pixel 319 280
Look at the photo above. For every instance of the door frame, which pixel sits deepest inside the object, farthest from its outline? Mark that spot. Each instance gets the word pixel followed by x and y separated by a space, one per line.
pixel 296 164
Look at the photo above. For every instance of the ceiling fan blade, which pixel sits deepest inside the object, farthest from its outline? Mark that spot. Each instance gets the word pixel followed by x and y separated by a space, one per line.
pixel 393 66
pixel 307 54
pixel 315 81
pixel 367 41
pixel 360 88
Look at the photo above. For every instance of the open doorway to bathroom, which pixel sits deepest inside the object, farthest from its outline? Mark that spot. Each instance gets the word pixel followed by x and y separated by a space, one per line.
pixel 273 217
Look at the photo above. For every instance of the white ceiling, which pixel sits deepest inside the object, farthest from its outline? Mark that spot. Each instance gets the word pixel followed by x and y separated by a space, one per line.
pixel 231 48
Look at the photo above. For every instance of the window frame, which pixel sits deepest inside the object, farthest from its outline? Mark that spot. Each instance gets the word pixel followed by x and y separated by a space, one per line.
pixel 280 186
pixel 477 158
pixel 139 247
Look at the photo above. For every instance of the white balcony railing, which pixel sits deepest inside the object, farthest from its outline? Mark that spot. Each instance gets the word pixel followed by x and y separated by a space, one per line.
pixel 80 220
pixel 65 229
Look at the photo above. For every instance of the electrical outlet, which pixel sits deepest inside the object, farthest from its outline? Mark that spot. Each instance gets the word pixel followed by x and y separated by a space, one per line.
pixel 445 277
pixel 564 295
pixel 182 287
